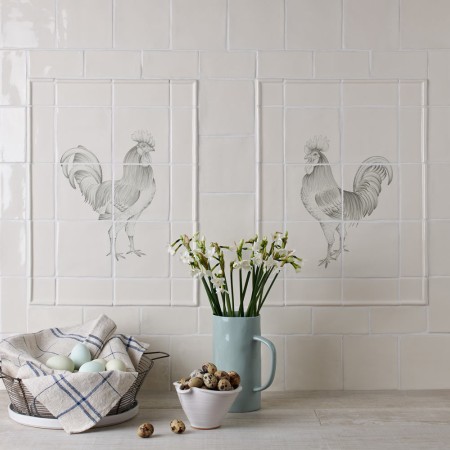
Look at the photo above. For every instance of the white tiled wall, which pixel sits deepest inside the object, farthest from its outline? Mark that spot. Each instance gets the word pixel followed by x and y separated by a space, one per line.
pixel 233 88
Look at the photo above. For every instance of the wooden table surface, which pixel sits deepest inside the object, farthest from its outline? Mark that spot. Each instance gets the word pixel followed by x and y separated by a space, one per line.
pixel 288 420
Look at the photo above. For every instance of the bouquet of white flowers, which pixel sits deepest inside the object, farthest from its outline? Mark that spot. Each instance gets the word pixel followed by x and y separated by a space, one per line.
pixel 257 262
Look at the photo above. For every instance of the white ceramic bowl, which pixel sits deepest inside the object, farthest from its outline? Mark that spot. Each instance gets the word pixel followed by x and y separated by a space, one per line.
pixel 206 409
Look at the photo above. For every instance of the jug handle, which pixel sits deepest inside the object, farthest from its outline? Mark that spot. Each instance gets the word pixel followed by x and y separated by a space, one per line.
pixel 273 361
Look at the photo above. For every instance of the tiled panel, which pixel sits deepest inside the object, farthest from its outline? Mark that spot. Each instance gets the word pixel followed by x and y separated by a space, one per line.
pixel 82 23
pixel 150 17
pixel 256 24
pixel 348 185
pixel 425 27
pixel 324 368
pixel 199 24
pixel 370 362
pixel 302 17
pixel 13 76
pixel 371 24
pixel 28 24
pixel 99 167
pixel 49 64
pixel 217 64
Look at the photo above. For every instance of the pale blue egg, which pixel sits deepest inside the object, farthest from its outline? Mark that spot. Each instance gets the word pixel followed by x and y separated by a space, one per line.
pixel 92 366
pixel 80 354
pixel 60 362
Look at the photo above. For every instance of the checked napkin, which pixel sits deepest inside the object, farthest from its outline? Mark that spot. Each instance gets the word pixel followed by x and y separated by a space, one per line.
pixel 77 400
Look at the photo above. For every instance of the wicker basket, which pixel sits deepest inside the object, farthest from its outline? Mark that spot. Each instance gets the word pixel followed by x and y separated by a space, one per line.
pixel 22 402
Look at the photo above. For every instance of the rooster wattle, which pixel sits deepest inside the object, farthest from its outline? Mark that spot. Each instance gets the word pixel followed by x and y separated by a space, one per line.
pixel 323 197
pixel 133 193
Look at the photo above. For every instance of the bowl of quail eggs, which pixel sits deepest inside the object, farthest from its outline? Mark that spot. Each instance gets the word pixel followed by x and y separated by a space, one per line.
pixel 207 394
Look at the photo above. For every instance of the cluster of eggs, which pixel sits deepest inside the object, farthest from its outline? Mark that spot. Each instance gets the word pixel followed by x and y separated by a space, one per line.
pixel 209 377
pixel 80 359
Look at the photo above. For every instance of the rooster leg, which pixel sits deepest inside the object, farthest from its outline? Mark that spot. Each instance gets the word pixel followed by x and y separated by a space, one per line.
pixel 130 232
pixel 113 231
pixel 328 230
pixel 342 230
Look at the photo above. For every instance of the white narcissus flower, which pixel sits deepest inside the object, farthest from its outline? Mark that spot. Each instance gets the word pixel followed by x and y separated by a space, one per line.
pixel 206 272
pixel 186 258
pixel 211 253
pixel 277 237
pixel 257 259
pixel 171 250
pixel 270 262
pixel 244 264
pixel 256 247
pixel 218 282
pixel 196 272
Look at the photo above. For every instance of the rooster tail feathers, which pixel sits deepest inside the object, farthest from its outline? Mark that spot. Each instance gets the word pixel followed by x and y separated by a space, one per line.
pixel 80 166
pixel 368 180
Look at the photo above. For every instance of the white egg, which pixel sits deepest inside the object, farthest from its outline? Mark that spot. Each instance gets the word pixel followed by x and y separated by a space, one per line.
pixel 116 364
pixel 60 362
pixel 80 354
pixel 91 366
pixel 100 361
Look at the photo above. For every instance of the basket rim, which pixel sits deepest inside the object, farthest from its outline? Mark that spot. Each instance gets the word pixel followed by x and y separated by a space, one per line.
pixel 163 355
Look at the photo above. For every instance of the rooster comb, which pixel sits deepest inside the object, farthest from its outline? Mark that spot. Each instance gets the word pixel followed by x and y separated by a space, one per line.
pixel 143 136
pixel 320 143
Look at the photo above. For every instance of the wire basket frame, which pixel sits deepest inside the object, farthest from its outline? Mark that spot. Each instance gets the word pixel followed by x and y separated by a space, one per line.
pixel 23 402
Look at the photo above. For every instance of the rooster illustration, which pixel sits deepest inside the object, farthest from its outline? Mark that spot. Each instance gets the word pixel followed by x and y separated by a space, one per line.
pixel 133 193
pixel 323 198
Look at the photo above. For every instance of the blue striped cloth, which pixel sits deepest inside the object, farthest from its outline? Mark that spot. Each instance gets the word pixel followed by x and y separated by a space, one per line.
pixel 77 400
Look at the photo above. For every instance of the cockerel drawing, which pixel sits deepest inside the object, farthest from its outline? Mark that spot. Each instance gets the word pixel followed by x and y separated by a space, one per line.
pixel 323 198
pixel 131 195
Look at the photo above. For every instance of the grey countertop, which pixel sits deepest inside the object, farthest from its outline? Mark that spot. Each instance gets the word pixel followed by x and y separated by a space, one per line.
pixel 288 420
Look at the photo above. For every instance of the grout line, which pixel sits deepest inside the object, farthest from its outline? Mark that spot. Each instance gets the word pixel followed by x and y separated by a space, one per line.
pixel 170 24
pixel 113 174
pixel 285 218
pixel 113 24
pixel 399 193
pixel 55 188
pixel 258 166
pixel 341 157
pixel 227 25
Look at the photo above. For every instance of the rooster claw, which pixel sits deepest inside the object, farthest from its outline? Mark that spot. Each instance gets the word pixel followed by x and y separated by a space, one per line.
pixel 136 252
pixel 118 256
pixel 326 261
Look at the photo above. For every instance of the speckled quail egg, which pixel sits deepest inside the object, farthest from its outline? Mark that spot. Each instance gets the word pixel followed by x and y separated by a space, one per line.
pixel 197 373
pixel 210 381
pixel 196 382
pixel 224 385
pixel 222 374
pixel 210 368
pixel 177 426
pixel 235 379
pixel 145 430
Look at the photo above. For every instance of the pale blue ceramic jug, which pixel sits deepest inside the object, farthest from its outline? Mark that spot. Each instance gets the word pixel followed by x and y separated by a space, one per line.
pixel 237 346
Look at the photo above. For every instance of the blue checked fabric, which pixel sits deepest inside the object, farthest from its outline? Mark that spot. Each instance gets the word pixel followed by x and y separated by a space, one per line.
pixel 77 400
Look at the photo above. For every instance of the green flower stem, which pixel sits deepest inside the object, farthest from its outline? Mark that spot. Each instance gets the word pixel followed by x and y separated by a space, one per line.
pixel 241 300
pixel 216 310
pixel 232 289
pixel 261 303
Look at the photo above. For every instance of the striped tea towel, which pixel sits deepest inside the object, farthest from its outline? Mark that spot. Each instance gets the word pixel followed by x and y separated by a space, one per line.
pixel 77 400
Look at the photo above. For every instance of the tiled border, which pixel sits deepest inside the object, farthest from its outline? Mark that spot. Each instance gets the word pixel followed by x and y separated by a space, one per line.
pixel 194 188
pixel 342 300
